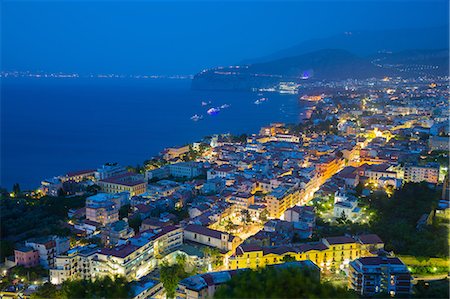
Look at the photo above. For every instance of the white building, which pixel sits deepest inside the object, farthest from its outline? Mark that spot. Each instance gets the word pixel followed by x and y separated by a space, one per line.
pixel 427 173
pixel 210 237
pixel 346 206
pixel 185 169
pixel 109 170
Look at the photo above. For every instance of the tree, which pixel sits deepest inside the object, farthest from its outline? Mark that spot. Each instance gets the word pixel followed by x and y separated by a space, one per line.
pixel 124 211
pixel 135 223
pixel 245 216
pixel 263 216
pixel 213 255
pixel 16 189
pixel 170 276
pixel 359 188
pixel 47 290
pixel 229 227
pixel 342 219
pixel 277 282
pixel 288 258
pixel 93 188
pixel 181 259
pixel 102 287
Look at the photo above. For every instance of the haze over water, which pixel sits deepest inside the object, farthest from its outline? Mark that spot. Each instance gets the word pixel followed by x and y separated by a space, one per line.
pixel 52 126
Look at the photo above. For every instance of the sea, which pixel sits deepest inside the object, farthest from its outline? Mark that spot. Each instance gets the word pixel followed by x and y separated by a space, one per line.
pixel 50 126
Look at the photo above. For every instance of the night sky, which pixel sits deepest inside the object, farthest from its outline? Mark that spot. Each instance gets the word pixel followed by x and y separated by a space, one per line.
pixel 181 37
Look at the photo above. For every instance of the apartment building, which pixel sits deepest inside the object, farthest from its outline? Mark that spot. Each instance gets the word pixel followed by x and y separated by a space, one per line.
pixel 331 253
pixel 133 260
pixel 422 173
pixel 133 183
pixel 278 201
pixel 103 208
pixel 185 169
pixel 108 170
pixel 379 274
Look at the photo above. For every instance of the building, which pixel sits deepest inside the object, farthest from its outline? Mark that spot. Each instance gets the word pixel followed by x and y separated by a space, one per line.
pixel 48 248
pixel 51 187
pixel 78 176
pixel 422 173
pixel 375 172
pixel 304 219
pixel 210 237
pixel 133 183
pixel 379 274
pixel 175 152
pixel 241 200
pixel 345 206
pixel 103 208
pixel 116 232
pixel 278 201
pixel 333 253
pixel 26 256
pixel 146 288
pixel 109 170
pixel 221 171
pixel 185 169
pixel 347 209
pixel 75 264
pixel 134 259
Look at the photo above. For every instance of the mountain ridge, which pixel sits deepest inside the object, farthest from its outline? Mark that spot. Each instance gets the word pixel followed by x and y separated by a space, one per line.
pixel 325 64
pixel 367 42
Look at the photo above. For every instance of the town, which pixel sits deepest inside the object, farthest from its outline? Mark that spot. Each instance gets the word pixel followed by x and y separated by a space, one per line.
pixel 356 193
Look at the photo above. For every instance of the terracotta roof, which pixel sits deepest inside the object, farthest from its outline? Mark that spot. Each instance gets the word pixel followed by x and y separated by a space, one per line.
pixel 204 231
pixel 247 248
pixel 370 239
pixel 124 179
pixel 165 230
pixel 339 240
pixel 376 260
pixel 119 251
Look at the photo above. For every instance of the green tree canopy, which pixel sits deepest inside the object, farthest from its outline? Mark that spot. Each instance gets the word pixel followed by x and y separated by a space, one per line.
pixel 103 287
pixel 273 282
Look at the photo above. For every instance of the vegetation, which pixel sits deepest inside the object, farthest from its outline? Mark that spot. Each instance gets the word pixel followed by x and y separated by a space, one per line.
pixel 440 157
pixel 104 287
pixel 16 189
pixel 135 223
pixel 23 218
pixel 171 275
pixel 93 188
pixel 432 289
pixel 245 216
pixel 395 219
pixel 263 216
pixel 124 211
pixel 272 282
pixel 25 275
pixel 213 255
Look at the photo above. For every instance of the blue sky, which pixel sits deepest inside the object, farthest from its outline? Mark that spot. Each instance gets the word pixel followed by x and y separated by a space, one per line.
pixel 183 37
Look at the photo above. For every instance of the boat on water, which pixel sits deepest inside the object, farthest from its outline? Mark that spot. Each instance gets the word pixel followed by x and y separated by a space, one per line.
pixel 213 111
pixel 196 117
pixel 261 100
pixel 205 103
pixel 224 106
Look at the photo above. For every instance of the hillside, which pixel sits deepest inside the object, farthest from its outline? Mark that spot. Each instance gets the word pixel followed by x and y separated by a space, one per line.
pixel 330 64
